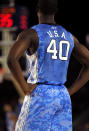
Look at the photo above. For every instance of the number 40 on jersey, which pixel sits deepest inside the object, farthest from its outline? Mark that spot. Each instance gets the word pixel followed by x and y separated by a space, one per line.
pixel 54 51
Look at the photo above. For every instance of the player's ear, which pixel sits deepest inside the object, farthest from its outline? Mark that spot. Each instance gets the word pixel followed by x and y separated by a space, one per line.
pixel 38 12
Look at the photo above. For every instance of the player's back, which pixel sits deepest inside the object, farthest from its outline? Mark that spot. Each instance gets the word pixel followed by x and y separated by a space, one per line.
pixel 49 64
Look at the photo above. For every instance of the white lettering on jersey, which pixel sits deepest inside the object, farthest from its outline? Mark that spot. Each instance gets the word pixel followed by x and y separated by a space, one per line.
pixel 56 33
pixel 50 33
pixel 63 35
pixel 54 28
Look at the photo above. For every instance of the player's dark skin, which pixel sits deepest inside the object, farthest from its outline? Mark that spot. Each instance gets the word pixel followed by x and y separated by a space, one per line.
pixel 28 39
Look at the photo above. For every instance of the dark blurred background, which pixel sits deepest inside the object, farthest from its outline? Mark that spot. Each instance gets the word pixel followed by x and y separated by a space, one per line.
pixel 73 15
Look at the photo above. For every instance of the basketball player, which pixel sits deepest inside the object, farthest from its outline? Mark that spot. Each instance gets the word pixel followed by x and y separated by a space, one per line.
pixel 48 47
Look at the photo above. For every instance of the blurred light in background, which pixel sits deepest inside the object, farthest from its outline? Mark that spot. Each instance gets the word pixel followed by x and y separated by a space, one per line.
pixel 14 17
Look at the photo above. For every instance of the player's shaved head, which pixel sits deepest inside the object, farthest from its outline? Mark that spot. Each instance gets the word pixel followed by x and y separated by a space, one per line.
pixel 47 7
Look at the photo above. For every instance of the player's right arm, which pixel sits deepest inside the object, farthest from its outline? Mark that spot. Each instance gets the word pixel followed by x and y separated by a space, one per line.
pixel 81 53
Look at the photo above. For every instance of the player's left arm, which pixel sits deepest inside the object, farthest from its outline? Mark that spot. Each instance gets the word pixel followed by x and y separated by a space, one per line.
pixel 81 53
pixel 27 39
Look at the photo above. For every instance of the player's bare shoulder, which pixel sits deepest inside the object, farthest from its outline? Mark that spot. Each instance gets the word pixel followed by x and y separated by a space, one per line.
pixel 80 52
pixel 29 34
pixel 30 37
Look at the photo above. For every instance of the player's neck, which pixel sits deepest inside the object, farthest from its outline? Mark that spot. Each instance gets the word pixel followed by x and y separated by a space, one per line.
pixel 47 20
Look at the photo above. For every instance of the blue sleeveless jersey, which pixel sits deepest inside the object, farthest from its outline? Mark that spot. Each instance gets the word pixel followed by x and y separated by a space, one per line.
pixel 49 64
